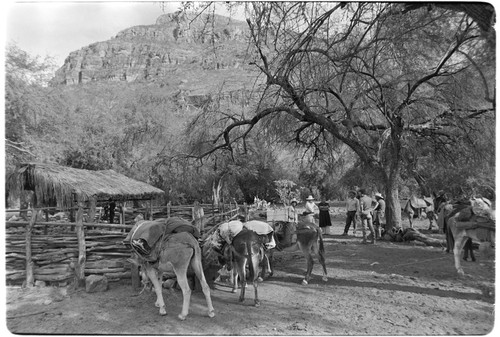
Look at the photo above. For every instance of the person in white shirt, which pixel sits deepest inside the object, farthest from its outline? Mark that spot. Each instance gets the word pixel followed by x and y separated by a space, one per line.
pixel 198 217
pixel 378 214
pixel 310 209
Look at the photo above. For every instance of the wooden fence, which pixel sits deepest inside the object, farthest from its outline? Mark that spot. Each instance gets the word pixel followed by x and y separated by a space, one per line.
pixel 60 251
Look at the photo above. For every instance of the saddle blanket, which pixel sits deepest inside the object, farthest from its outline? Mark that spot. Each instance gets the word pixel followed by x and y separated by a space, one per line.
pixel 417 203
pixel 178 225
pixel 144 235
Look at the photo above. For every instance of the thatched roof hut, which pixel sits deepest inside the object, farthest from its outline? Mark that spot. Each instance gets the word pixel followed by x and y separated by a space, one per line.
pixel 66 185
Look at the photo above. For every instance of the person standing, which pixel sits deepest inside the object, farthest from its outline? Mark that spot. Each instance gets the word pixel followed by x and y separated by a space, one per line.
pixel 293 212
pixel 310 209
pixel 198 214
pixel 293 217
pixel 325 223
pixel 366 209
pixel 112 206
pixel 352 208
pixel 378 214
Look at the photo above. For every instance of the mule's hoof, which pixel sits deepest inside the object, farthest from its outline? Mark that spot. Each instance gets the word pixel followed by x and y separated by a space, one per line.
pixel 304 282
pixel 163 312
pixel 182 317
pixel 233 291
pixel 257 303
pixel 260 279
pixel 241 299
pixel 325 278
pixel 211 314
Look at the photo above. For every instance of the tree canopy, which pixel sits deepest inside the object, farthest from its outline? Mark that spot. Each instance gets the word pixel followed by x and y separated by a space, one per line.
pixel 386 80
pixel 398 98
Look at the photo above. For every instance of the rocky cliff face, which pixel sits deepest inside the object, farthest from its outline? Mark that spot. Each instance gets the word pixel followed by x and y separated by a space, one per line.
pixel 175 50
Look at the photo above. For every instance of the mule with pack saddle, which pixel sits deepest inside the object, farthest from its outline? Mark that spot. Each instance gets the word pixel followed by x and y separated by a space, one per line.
pixel 440 201
pixel 241 247
pixel 418 207
pixel 468 220
pixel 166 245
pixel 309 241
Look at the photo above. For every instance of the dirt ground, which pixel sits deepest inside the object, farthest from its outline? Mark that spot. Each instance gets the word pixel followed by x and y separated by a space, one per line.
pixel 383 289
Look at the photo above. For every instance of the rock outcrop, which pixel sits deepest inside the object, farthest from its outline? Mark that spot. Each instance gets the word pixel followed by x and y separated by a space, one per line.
pixel 176 44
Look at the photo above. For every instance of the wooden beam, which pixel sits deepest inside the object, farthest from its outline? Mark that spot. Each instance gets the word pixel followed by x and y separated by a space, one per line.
pixel 9 224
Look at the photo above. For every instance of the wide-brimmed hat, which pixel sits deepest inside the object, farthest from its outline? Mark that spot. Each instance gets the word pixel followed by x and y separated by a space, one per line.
pixel 294 201
pixel 310 197
pixel 378 195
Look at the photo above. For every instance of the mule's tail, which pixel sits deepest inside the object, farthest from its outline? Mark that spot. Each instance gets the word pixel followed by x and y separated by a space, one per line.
pixel 250 261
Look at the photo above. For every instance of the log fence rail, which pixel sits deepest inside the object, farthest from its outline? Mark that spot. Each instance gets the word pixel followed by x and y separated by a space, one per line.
pixel 61 251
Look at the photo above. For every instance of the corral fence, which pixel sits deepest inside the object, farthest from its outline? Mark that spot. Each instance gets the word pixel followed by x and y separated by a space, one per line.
pixel 42 244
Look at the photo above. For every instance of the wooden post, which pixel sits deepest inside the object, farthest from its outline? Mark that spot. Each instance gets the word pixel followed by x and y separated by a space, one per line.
pixel 168 209
pixel 122 213
pixel 150 209
pixel 82 257
pixel 30 278
pixel 92 210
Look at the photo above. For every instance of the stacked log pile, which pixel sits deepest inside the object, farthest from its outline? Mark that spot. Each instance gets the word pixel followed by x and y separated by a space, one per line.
pixel 107 255
pixel 55 256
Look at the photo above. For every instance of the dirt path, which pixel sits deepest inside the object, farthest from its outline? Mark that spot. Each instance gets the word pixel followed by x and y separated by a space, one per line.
pixel 386 289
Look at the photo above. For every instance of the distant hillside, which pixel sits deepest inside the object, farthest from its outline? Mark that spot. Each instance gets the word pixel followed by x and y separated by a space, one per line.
pixel 186 56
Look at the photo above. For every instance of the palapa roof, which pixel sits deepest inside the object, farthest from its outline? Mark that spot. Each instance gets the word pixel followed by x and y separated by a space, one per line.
pixel 64 184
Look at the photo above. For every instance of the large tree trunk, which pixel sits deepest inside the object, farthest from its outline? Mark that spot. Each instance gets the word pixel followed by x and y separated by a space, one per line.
pixel 392 206
pixel 392 177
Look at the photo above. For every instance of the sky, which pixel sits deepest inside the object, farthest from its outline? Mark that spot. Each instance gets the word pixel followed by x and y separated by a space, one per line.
pixel 56 28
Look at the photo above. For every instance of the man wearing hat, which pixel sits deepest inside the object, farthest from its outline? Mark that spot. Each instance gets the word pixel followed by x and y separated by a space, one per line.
pixel 310 209
pixel 366 209
pixel 378 214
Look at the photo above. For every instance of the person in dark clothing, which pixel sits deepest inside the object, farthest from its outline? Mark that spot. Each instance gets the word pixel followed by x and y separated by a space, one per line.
pixel 112 206
pixel 352 208
pixel 325 222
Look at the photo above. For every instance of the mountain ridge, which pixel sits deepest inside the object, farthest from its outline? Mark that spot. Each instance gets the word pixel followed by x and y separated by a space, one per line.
pixel 176 50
